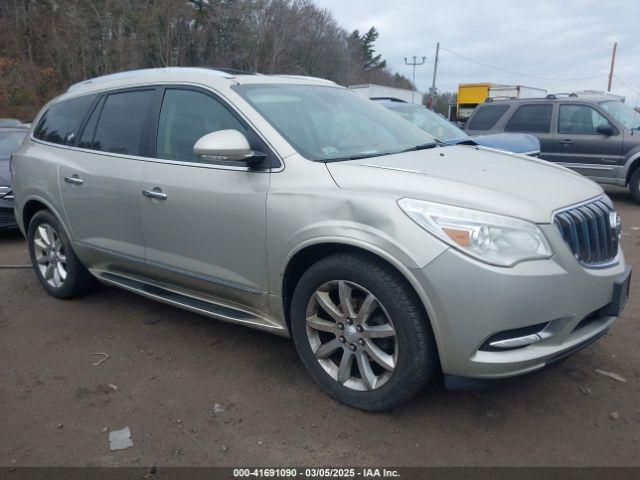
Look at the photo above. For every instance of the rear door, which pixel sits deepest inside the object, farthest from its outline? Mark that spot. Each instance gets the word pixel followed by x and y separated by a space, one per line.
pixel 580 147
pixel 100 180
pixel 536 119
pixel 207 232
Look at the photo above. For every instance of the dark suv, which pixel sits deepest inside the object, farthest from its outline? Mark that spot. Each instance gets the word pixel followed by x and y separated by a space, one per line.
pixel 597 136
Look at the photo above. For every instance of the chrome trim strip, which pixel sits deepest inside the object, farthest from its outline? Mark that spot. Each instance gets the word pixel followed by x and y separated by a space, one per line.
pixel 587 166
pixel 516 341
pixel 187 273
pixel 158 160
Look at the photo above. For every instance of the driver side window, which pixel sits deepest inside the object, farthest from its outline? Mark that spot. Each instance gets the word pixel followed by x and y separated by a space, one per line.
pixel 187 115
pixel 580 120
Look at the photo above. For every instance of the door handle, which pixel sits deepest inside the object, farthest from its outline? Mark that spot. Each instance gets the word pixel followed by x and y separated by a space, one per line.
pixel 74 180
pixel 567 142
pixel 155 193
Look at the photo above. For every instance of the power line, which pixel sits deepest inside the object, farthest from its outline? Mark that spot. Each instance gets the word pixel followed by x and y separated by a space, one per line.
pixel 511 72
pixel 637 92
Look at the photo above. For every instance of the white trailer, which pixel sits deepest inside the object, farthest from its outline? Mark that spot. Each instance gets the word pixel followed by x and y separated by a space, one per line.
pixel 515 91
pixel 382 91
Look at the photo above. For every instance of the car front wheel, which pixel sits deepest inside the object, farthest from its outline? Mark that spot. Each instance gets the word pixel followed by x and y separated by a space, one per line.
pixel 361 332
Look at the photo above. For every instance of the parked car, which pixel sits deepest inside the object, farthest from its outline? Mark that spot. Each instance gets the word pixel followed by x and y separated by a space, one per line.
pixel 10 139
pixel 595 135
pixel 445 131
pixel 290 205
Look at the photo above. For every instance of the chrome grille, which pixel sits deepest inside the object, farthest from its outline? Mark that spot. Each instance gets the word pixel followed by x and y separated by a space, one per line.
pixel 591 230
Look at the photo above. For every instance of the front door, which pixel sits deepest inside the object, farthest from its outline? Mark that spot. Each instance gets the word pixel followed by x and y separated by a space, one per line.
pixel 204 226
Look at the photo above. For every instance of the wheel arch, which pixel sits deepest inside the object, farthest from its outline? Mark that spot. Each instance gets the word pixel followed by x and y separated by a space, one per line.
pixel 32 206
pixel 306 255
pixel 631 166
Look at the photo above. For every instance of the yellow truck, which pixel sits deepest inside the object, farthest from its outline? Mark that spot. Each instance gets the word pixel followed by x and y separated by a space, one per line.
pixel 472 94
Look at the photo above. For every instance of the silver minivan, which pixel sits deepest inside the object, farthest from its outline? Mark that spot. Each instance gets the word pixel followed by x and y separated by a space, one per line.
pixel 291 205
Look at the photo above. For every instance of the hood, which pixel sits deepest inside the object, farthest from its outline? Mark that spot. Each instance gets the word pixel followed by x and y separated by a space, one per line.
pixel 466 176
pixel 511 142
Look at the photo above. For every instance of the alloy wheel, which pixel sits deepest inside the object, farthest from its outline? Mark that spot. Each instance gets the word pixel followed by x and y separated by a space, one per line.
pixel 351 335
pixel 50 255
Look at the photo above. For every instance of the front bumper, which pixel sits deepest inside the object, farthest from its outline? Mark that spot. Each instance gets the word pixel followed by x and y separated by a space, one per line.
pixel 7 217
pixel 470 302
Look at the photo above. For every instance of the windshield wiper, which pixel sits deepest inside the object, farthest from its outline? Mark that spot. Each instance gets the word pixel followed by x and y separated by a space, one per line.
pixel 358 156
pixel 425 146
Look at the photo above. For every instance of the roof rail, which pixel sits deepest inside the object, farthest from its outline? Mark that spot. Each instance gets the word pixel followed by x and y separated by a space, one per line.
pixel 134 73
pixel 500 97
pixel 306 77
pixel 553 96
pixel 234 71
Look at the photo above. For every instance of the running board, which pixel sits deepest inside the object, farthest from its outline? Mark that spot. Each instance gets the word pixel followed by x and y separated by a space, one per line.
pixel 190 303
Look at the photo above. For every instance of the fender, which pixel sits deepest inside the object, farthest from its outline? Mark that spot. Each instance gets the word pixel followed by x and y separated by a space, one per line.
pixel 624 171
pixel 404 270
pixel 24 228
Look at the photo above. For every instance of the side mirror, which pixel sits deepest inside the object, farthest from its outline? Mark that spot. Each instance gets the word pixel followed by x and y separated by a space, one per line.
pixel 226 145
pixel 605 129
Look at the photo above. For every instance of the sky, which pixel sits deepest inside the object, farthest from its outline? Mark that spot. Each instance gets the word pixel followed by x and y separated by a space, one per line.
pixel 564 41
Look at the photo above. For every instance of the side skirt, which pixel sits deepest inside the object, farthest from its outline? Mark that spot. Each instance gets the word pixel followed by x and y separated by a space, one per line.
pixel 187 301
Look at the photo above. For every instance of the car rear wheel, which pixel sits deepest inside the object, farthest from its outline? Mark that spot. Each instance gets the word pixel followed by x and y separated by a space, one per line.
pixel 56 265
pixel 634 185
pixel 361 332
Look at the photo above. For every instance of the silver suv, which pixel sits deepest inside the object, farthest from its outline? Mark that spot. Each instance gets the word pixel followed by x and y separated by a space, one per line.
pixel 291 205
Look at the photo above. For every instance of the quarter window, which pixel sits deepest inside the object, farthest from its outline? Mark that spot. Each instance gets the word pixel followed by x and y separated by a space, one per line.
pixel 530 118
pixel 117 126
pixel 580 119
pixel 60 123
pixel 486 116
pixel 186 116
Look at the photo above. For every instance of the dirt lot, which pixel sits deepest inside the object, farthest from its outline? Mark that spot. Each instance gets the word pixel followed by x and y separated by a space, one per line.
pixel 200 392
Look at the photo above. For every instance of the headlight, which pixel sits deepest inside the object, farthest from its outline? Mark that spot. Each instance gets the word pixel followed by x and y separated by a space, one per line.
pixel 491 238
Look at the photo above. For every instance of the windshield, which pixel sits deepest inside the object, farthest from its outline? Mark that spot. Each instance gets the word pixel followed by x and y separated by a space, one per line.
pixel 430 122
pixel 10 140
pixel 329 123
pixel 623 113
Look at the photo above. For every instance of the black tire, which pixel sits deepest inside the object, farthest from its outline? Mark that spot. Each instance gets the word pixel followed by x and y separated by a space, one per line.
pixel 417 358
pixel 78 280
pixel 634 185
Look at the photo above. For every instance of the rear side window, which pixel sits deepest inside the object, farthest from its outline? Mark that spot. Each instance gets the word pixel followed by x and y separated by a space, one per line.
pixel 118 123
pixel 60 123
pixel 185 117
pixel 530 118
pixel 486 116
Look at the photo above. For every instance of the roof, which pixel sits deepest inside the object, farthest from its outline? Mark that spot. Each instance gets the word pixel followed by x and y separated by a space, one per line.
pixel 201 75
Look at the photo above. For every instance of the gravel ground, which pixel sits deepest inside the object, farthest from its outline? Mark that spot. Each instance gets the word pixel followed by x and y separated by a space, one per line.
pixel 200 392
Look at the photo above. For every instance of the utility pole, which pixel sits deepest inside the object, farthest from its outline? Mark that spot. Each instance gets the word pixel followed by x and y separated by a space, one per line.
pixel 613 62
pixel 414 63
pixel 432 90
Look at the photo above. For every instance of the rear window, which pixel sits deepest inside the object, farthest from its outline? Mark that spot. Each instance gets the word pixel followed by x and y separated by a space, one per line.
pixel 486 116
pixel 60 123
pixel 118 124
pixel 530 119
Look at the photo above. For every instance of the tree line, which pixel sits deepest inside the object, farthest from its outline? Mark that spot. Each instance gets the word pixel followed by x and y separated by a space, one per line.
pixel 47 45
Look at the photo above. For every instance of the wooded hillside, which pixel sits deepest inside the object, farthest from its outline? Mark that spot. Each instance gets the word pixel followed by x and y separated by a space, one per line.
pixel 46 45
